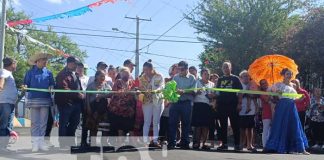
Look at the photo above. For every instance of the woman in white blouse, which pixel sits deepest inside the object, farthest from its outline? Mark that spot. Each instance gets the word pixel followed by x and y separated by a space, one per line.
pixel 153 103
pixel 287 135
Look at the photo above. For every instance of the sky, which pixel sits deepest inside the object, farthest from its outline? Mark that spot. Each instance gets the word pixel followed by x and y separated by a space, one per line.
pixel 163 13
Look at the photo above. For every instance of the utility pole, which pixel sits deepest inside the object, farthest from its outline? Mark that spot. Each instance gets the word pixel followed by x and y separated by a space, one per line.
pixel 3 31
pixel 137 42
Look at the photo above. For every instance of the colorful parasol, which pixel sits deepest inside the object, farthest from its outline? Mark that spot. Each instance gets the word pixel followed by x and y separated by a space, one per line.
pixel 269 67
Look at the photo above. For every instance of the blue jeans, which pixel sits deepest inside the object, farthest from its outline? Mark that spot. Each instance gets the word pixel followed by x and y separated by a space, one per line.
pixel 180 110
pixel 10 122
pixel 68 123
pixel 5 111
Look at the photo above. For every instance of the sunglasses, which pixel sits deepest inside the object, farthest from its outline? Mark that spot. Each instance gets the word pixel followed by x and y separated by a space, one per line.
pixel 182 68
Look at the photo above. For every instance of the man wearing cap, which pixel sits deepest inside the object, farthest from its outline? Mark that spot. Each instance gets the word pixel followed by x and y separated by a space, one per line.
pixel 8 98
pixel 39 77
pixel 102 66
pixel 68 103
pixel 130 65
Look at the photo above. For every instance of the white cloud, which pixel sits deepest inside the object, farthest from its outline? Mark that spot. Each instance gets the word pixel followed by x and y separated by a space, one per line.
pixel 16 2
pixel 60 1
pixel 55 1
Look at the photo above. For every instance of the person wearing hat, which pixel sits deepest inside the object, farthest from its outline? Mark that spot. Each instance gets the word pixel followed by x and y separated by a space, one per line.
pixel 130 65
pixel 102 66
pixel 8 98
pixel 69 103
pixel 39 77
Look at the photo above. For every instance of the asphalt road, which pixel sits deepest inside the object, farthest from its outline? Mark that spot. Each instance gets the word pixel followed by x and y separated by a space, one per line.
pixel 23 152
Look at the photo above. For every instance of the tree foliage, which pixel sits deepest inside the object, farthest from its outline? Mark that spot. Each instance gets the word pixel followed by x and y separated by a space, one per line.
pixel 18 47
pixel 305 44
pixel 243 29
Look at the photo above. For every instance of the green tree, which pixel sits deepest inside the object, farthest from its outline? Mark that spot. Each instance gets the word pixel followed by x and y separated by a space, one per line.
pixel 18 47
pixel 305 44
pixel 243 29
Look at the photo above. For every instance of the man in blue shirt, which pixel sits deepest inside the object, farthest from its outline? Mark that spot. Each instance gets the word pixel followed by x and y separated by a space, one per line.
pixel 39 102
pixel 182 109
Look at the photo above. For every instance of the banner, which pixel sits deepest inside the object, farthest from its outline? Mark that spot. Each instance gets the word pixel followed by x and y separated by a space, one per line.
pixel 68 14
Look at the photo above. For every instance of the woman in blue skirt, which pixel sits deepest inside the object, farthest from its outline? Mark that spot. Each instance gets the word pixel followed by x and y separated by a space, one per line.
pixel 287 135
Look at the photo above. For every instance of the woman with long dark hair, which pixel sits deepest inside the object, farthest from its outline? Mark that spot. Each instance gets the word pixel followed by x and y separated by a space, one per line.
pixel 287 135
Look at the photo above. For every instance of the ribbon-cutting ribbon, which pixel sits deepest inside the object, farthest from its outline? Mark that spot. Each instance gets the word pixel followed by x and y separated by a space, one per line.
pixel 170 91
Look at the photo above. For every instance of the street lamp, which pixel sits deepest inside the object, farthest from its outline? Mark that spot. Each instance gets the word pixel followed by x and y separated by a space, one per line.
pixel 127 33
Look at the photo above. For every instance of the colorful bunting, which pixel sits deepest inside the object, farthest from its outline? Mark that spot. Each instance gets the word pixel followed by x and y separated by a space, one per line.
pixel 99 3
pixel 72 13
pixel 15 23
pixel 68 14
pixel 28 38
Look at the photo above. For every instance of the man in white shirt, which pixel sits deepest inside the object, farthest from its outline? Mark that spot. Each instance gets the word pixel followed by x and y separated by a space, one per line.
pixel 102 66
pixel 84 79
pixel 8 98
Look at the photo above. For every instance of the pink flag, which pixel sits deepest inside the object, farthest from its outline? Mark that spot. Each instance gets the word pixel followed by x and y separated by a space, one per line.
pixel 15 23
pixel 99 3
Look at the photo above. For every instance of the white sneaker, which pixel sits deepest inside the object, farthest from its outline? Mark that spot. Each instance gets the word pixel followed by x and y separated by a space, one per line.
pixel 316 146
pixel 49 144
pixel 4 150
pixel 35 148
pixel 43 147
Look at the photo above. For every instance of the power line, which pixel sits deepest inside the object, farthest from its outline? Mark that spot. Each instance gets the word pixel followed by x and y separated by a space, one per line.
pixel 173 26
pixel 118 37
pixel 149 53
pixel 169 56
pixel 163 67
pixel 107 31
pixel 146 5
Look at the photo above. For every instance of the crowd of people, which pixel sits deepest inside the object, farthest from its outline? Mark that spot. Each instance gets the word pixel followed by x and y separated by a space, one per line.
pixel 135 107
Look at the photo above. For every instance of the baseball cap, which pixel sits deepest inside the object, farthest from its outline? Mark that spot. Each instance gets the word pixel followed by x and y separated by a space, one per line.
pixel 72 59
pixel 7 61
pixel 102 64
pixel 128 61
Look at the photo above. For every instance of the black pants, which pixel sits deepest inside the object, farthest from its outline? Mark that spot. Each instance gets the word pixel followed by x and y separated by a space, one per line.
pixel 317 132
pixel 225 112
pixel 49 126
pixel 214 125
pixel 84 130
pixel 302 117
pixel 164 125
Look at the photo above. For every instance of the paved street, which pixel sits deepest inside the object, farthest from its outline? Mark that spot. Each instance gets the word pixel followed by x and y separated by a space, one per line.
pixel 23 147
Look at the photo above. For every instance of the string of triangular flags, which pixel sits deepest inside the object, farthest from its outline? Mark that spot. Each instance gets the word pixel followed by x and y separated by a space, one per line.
pixel 33 40
pixel 72 13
